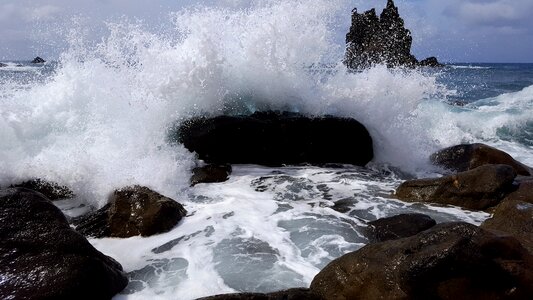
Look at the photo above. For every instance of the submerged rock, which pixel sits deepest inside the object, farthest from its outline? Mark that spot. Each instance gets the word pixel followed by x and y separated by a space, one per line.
pixel 132 211
pixel 381 40
pixel 448 261
pixel 38 60
pixel 52 190
pixel 43 258
pixel 2 65
pixel 477 189
pixel 516 218
pixel 399 226
pixel 470 156
pixel 275 139
pixel 291 294
pixel 210 174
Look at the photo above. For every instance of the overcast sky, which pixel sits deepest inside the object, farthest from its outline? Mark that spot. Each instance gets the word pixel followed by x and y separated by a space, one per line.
pixel 453 30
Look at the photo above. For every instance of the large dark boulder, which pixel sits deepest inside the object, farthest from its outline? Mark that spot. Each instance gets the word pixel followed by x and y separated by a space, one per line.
pixel 292 294
pixel 380 40
pixel 477 189
pixel 275 139
pixel 516 218
pixel 41 257
pixel 430 62
pixel 448 261
pixel 398 226
pixel 210 174
pixel 470 156
pixel 52 190
pixel 38 60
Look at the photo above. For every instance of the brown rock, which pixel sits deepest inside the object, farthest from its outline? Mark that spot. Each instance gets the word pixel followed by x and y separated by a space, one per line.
pixel 476 189
pixel 138 210
pixel 466 157
pixel 210 174
pixel 448 261
pixel 523 193
pixel 292 294
pixel 399 226
pixel 516 218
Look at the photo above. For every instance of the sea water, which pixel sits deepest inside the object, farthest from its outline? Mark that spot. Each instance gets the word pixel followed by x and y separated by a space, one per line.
pixel 100 117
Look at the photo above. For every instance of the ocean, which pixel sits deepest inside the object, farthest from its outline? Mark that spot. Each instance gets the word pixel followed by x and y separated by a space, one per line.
pixel 101 117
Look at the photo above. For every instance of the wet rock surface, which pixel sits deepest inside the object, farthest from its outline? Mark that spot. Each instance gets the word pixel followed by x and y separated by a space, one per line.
pixel 275 139
pixel 466 157
pixel 2 65
pixel 52 190
pixel 451 260
pixel 381 40
pixel 43 258
pixel 140 211
pixel 291 294
pixel 132 211
pixel 516 218
pixel 399 226
pixel 477 189
pixel 210 174
pixel 523 193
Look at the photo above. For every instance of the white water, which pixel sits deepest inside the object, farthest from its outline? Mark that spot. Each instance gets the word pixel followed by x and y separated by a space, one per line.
pixel 101 122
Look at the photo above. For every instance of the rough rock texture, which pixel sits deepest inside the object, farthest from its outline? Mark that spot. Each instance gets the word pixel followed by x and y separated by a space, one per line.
pixel 94 224
pixel 430 62
pixel 51 190
pixel 516 218
pixel 399 226
pixel 476 189
pixel 38 60
pixel 380 40
pixel 448 261
pixel 43 258
pixel 275 139
pixel 292 294
pixel 138 210
pixel 523 193
pixel 210 174
pixel 470 156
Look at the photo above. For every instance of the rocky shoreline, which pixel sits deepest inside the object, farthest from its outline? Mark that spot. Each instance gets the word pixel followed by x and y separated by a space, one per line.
pixel 408 257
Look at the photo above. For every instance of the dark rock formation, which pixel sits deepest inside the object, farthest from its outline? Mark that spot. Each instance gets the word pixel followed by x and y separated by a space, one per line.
pixel 94 224
pixel 470 156
pixel 516 218
pixel 210 174
pixel 399 226
pixel 430 62
pixel 524 192
pixel 43 258
pixel 2 65
pixel 292 294
pixel 132 211
pixel 380 40
pixel 275 139
pixel 51 190
pixel 448 261
pixel 38 60
pixel 476 189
